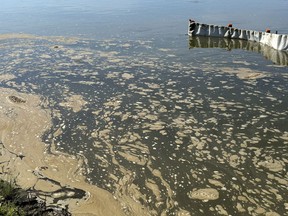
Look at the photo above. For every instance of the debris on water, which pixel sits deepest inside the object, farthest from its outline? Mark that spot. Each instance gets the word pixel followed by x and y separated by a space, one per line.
pixel 155 129
pixel 204 194
pixel 16 99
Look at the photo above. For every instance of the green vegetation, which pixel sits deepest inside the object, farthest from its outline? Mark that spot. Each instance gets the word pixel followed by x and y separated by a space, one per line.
pixel 15 201
pixel 6 188
pixel 10 209
pixel 7 205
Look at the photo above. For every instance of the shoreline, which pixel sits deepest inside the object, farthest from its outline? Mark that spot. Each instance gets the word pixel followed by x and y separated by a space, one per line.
pixel 24 158
pixel 87 119
pixel 16 201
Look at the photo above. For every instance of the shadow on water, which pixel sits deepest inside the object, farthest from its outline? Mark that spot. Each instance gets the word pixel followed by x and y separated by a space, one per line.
pixel 276 56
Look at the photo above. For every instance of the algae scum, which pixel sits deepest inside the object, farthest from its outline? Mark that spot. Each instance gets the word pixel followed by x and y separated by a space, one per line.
pixel 179 135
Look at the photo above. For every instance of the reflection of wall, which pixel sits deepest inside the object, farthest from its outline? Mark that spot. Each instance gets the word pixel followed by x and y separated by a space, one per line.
pixel 276 56
pixel 277 41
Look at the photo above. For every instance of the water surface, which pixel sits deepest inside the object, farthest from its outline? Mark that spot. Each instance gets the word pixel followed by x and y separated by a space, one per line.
pixel 179 131
pixel 135 18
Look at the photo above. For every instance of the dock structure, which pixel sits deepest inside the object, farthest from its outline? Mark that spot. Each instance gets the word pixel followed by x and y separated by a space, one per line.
pixel 274 40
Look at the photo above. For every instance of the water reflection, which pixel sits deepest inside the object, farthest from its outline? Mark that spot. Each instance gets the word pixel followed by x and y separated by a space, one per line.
pixel 276 56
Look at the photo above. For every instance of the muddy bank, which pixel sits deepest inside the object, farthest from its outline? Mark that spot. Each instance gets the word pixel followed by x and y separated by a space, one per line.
pixel 58 178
